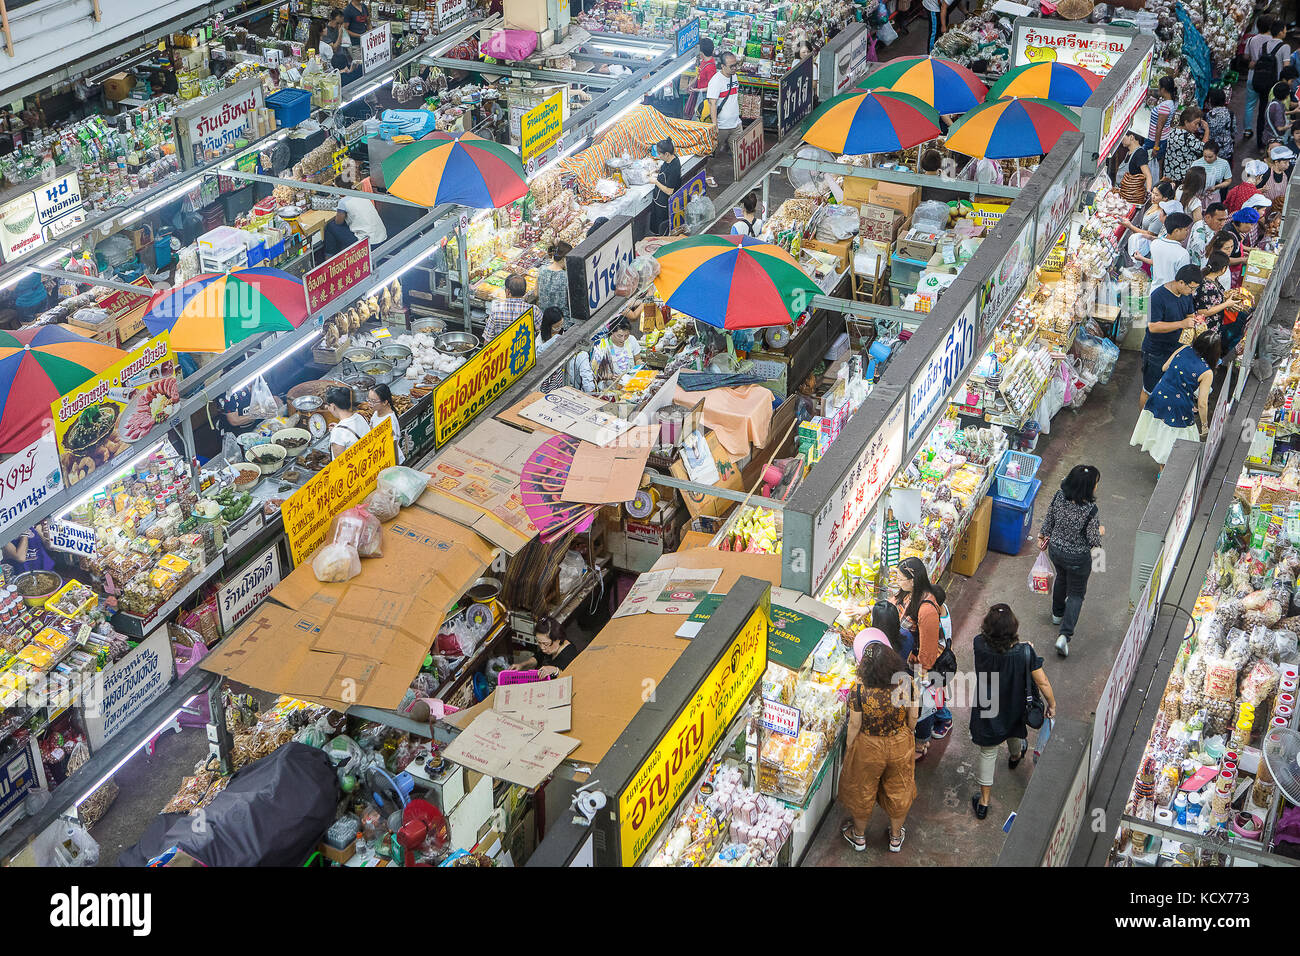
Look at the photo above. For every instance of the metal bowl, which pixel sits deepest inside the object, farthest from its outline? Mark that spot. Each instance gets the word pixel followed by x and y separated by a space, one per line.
pixel 360 383
pixel 429 326
pixel 483 590
pixel 306 404
pixel 358 355
pixel 459 344
pixel 399 355
pixel 378 369
pixel 29 577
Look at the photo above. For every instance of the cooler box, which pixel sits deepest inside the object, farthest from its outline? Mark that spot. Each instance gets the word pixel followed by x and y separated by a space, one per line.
pixel 291 107
pixel 1012 521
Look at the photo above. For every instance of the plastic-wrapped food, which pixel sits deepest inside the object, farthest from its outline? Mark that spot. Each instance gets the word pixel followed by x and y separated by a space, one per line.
pixel 360 529
pixel 1260 682
pixel 1220 680
pixel 1262 643
pixel 1284 645
pixel 335 563
pixel 1237 653
pixel 406 483
pixel 383 504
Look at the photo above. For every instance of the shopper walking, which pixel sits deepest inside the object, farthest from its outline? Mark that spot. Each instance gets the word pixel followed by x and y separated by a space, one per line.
pixel 1169 251
pixel 1274 54
pixel 1069 532
pixel 553 281
pixel 1213 221
pixel 1254 46
pixel 878 764
pixel 1184 144
pixel 937 11
pixel 1218 171
pixel 1277 118
pixel 724 102
pixel 1182 394
pixel 1007 672
pixel 1190 195
pixel 1171 310
pixel 919 606
pixel 748 224
pixel 704 70
pixel 1162 117
pixel 1223 125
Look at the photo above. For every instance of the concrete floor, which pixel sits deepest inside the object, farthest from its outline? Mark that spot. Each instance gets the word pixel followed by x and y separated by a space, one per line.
pixel 941 829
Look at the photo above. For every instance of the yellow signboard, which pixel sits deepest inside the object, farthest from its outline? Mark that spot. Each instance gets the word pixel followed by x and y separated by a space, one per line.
pixel 103 417
pixel 540 127
pixel 340 485
pixel 469 389
pixel 675 761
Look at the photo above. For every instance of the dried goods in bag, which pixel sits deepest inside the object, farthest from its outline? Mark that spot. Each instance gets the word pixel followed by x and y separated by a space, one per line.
pixel 336 563
pixel 360 529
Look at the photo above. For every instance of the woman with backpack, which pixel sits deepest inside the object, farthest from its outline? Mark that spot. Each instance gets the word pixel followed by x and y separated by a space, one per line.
pixel 1265 73
pixel 920 612
pixel 749 224
pixel 1008 677
pixel 1068 534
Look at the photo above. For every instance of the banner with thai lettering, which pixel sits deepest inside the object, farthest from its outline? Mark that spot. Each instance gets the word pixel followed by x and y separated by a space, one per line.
pixel 497 366
pixel 110 413
pixel 540 126
pixel 244 591
pixel 337 487
pixel 1090 46
pixel 211 126
pixel 27 478
pixel 337 275
pixel 377 46
pixel 671 767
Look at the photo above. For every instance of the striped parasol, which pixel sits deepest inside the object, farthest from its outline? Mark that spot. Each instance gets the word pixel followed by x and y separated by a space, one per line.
pixel 1011 128
pixel 37 365
pixel 947 86
pixel 213 311
pixel 880 121
pixel 465 169
pixel 1063 83
pixel 733 282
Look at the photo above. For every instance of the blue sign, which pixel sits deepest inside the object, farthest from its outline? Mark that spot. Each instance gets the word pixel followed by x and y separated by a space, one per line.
pixel 688 36
pixel 795 95
pixel 17 776
pixel 929 390
pixel 677 205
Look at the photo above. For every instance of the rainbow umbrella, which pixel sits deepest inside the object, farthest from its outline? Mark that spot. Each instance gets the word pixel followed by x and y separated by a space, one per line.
pixel 465 169
pixel 947 86
pixel 1065 83
pixel 213 311
pixel 733 282
pixel 880 121
pixel 37 366
pixel 1011 128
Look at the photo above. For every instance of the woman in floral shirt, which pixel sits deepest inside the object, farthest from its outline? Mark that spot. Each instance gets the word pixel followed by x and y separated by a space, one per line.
pixel 1222 122
pixel 1185 144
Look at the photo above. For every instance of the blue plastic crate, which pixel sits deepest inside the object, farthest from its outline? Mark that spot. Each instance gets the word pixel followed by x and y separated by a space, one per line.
pixel 1012 521
pixel 1017 487
pixel 291 107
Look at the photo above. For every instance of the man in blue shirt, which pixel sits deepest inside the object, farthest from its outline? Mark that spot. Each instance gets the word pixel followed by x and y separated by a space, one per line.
pixel 1172 310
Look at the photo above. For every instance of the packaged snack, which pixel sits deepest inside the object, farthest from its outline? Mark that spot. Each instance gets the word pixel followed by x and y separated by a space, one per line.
pixel 383 504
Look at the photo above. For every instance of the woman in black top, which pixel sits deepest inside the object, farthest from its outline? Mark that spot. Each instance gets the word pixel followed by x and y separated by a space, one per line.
pixel 554 653
pixel 1068 534
pixel 1004 668
pixel 1138 181
pixel 667 182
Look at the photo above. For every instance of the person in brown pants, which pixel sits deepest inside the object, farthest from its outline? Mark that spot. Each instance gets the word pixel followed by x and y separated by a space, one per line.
pixel 878 765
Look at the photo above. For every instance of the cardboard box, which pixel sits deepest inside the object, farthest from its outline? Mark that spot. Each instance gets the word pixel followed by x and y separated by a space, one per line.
pixel 362 641
pixel 118 87
pixel 971 547
pixel 918 245
pixel 858 188
pixel 880 223
pixel 841 250
pixel 338 856
pixel 526 15
pixel 897 196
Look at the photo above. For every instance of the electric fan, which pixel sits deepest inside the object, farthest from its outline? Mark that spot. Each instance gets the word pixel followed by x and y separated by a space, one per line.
pixel 1281 748
pixel 806 177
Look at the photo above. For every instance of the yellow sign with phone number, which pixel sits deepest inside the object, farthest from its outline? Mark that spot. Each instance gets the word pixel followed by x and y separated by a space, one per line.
pixel 680 754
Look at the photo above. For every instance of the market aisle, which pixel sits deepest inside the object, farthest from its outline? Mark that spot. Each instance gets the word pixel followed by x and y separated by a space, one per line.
pixel 941 830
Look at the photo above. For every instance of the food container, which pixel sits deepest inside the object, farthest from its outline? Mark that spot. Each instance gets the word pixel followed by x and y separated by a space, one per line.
pixel 381 371
pixel 246 475
pixel 294 441
pixel 307 404
pixel 399 356
pixel 52 603
pixel 456 343
pixel 250 439
pixel 360 383
pixel 428 326
pixel 273 457
pixel 483 590
pixel 358 355
pixel 37 587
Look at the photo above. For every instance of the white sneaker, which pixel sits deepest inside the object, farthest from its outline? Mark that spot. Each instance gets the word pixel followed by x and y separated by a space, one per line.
pixel 1063 646
pixel 1055 619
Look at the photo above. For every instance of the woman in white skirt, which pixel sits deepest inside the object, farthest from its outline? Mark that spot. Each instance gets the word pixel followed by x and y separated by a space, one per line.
pixel 1182 392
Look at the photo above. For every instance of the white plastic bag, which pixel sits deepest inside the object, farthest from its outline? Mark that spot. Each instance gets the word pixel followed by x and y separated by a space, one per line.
pixel 406 483
pixel 262 403
pixel 336 563
pixel 1041 575
pixel 65 843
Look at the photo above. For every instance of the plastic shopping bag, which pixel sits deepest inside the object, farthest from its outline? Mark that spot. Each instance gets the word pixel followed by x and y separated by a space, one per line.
pixel 1041 575
pixel 1040 742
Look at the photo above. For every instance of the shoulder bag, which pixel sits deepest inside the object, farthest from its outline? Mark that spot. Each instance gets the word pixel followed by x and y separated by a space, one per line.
pixel 1034 711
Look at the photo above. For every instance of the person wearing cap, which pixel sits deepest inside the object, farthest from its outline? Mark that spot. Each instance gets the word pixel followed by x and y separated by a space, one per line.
pixel 1248 229
pixel 1275 181
pixel 1169 251
pixel 878 764
pixel 1172 310
pixel 1253 172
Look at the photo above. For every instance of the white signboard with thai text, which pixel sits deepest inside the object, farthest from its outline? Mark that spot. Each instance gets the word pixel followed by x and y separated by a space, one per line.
pixel 243 592
pixel 27 478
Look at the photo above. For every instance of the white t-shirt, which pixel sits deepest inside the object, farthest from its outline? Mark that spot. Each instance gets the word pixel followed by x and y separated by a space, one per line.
pixel 349 431
pixel 363 219
pixel 727 92
pixel 326 50
pixel 931 5
pixel 397 433
pixel 1167 257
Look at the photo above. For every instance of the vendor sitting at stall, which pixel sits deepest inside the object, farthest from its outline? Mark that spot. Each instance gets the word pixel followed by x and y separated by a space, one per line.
pixel 501 313
pixel 615 355
pixel 351 423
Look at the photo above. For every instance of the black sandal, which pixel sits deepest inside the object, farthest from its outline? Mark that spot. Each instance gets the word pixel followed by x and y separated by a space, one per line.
pixel 981 809
pixel 1014 762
